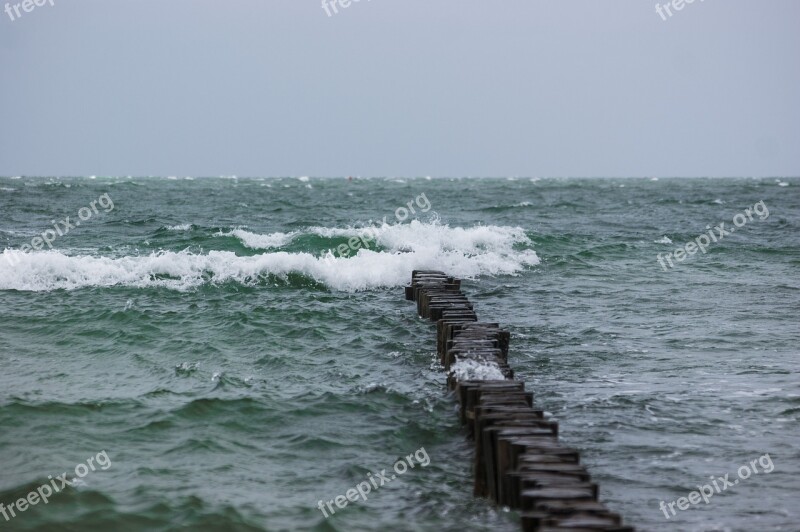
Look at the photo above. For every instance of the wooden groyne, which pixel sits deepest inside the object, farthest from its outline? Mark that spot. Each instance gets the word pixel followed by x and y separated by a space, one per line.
pixel 518 461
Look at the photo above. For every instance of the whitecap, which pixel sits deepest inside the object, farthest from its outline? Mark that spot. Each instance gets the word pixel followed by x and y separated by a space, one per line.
pixel 181 227
pixel 463 252
pixel 259 241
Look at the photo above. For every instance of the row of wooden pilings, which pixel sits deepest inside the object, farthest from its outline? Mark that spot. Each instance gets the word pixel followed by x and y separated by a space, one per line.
pixel 519 461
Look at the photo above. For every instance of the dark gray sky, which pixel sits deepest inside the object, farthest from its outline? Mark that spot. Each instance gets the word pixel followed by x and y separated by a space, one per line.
pixel 401 87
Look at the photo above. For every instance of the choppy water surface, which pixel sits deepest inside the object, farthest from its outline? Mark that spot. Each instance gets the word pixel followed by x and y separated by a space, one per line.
pixel 235 375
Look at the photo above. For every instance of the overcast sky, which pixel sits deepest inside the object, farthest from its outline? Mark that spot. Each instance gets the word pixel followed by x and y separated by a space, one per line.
pixel 400 88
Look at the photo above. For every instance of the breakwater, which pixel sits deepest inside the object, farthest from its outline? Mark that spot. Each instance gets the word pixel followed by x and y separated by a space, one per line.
pixel 518 460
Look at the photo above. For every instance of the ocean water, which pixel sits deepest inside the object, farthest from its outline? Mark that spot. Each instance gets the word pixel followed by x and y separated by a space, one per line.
pixel 233 372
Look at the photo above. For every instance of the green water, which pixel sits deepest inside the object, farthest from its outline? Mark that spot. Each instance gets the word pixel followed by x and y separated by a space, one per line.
pixel 235 376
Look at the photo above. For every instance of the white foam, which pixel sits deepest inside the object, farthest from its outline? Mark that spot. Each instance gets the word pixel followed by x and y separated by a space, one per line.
pixel 663 240
pixel 471 252
pixel 431 236
pixel 181 227
pixel 259 241
pixel 473 370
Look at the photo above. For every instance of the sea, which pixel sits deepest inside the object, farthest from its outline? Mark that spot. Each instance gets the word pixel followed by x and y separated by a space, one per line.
pixel 230 353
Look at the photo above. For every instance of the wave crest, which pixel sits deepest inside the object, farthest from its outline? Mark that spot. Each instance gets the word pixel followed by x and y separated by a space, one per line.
pixel 464 252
